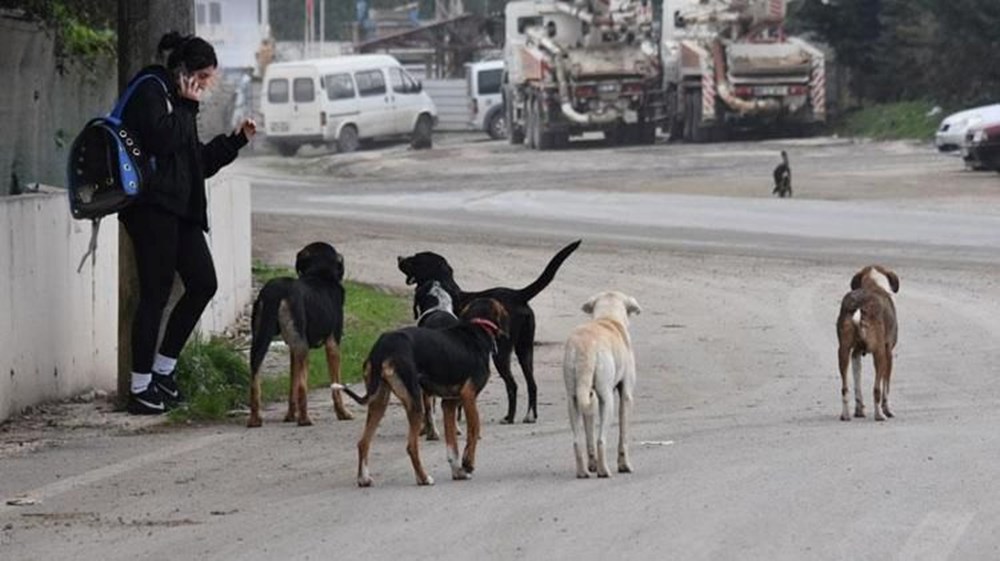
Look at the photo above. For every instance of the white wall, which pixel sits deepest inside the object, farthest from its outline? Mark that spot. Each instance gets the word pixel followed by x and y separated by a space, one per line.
pixel 58 329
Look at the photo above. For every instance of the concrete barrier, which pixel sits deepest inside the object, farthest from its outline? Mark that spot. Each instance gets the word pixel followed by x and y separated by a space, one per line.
pixel 58 329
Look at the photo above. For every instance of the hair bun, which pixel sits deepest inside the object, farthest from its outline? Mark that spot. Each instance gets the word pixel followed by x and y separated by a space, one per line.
pixel 171 41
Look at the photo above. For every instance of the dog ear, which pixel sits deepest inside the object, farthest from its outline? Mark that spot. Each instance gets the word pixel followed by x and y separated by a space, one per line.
pixel 893 280
pixel 588 306
pixel 856 281
pixel 632 306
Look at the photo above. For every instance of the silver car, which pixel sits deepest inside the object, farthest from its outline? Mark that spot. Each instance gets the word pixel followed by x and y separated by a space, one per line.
pixel 951 134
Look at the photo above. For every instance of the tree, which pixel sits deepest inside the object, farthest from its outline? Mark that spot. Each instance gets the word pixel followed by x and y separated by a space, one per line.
pixel 141 23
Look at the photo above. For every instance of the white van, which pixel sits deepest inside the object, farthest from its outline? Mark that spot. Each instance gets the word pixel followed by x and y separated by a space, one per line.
pixel 483 81
pixel 344 100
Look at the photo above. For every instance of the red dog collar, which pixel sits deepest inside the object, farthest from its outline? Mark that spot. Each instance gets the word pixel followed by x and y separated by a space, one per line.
pixel 486 324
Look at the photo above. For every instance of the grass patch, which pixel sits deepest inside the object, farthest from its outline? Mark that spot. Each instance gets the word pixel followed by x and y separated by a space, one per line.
pixel 215 374
pixel 891 121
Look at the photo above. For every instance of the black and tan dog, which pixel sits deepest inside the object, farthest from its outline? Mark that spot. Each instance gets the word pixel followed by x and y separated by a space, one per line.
pixel 307 311
pixel 451 363
pixel 427 266
pixel 867 324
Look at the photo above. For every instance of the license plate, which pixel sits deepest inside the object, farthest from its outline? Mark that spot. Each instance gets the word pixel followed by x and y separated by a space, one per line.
pixel 770 90
pixel 279 126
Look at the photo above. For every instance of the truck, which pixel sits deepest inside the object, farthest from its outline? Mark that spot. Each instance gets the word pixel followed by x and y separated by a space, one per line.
pixel 578 66
pixel 728 65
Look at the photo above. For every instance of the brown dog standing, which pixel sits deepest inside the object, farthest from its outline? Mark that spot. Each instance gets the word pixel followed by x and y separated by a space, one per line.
pixel 867 324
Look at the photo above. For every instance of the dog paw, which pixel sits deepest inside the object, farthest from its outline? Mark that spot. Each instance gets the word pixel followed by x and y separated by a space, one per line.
pixel 344 415
pixel 254 422
pixel 467 466
pixel 624 468
pixel 428 481
pixel 859 413
pixel 433 436
pixel 507 421
pixel 879 416
pixel 604 473
pixel 305 422
pixel 845 417
pixel 365 481
pixel 289 418
pixel 530 418
pixel 592 465
pixel 889 414
pixel 460 475
pixel 582 475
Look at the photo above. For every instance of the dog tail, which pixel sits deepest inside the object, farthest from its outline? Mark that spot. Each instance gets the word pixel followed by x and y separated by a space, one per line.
pixel 371 386
pixel 580 368
pixel 532 290
pixel 264 322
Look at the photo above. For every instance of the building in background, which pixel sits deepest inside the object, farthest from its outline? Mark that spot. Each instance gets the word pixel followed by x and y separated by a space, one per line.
pixel 236 28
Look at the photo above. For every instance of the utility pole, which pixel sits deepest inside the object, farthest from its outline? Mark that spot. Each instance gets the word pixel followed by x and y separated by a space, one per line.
pixel 141 23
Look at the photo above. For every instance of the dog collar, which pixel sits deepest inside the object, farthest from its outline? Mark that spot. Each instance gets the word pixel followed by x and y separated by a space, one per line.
pixel 426 313
pixel 486 324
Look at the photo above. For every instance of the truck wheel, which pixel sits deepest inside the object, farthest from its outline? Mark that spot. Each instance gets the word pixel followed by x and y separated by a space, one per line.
pixel 530 127
pixel 544 140
pixel 646 133
pixel 422 132
pixel 347 140
pixel 614 136
pixel 515 134
pixel 693 130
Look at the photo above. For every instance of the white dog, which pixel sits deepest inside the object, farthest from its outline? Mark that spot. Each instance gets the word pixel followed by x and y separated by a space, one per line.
pixel 598 360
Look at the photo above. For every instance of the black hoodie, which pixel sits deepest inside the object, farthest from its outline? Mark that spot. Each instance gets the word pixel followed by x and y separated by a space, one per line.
pixel 166 127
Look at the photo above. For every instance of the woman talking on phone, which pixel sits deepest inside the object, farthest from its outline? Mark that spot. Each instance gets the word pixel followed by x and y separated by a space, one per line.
pixel 168 221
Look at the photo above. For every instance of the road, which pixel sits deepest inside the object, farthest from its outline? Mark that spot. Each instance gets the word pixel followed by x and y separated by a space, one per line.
pixel 738 450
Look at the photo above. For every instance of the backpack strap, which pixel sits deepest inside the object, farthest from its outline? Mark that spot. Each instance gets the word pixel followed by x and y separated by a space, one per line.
pixel 95 227
pixel 116 114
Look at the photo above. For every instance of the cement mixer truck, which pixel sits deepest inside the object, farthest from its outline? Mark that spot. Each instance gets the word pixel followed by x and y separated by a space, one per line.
pixel 578 66
pixel 727 65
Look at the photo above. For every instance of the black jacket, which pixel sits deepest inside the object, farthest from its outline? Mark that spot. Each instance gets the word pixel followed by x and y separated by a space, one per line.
pixel 165 125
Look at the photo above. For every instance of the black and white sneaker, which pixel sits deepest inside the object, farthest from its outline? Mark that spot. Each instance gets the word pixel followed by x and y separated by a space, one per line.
pixel 167 385
pixel 147 402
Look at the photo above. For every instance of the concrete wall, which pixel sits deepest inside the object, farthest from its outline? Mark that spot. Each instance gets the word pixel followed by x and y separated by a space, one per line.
pixel 58 329
pixel 229 239
pixel 43 106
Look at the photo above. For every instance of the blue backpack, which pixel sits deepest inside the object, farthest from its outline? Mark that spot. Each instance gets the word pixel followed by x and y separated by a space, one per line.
pixel 106 167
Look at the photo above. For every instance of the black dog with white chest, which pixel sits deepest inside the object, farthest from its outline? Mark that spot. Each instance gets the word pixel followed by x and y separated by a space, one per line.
pixel 427 266
pixel 307 312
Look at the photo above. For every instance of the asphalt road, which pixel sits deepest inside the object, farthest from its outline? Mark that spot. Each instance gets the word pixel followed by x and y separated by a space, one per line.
pixel 738 450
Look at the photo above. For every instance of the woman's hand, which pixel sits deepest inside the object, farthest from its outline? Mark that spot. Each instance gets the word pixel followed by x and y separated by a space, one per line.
pixel 248 127
pixel 190 87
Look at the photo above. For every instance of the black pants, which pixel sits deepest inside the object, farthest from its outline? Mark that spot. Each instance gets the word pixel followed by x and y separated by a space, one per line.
pixel 164 243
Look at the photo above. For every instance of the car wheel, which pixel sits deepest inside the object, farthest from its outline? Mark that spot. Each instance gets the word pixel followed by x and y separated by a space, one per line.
pixel 286 149
pixel 422 132
pixel 348 141
pixel 497 126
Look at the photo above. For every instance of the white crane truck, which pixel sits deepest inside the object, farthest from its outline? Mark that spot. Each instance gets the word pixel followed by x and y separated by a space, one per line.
pixel 728 64
pixel 578 66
